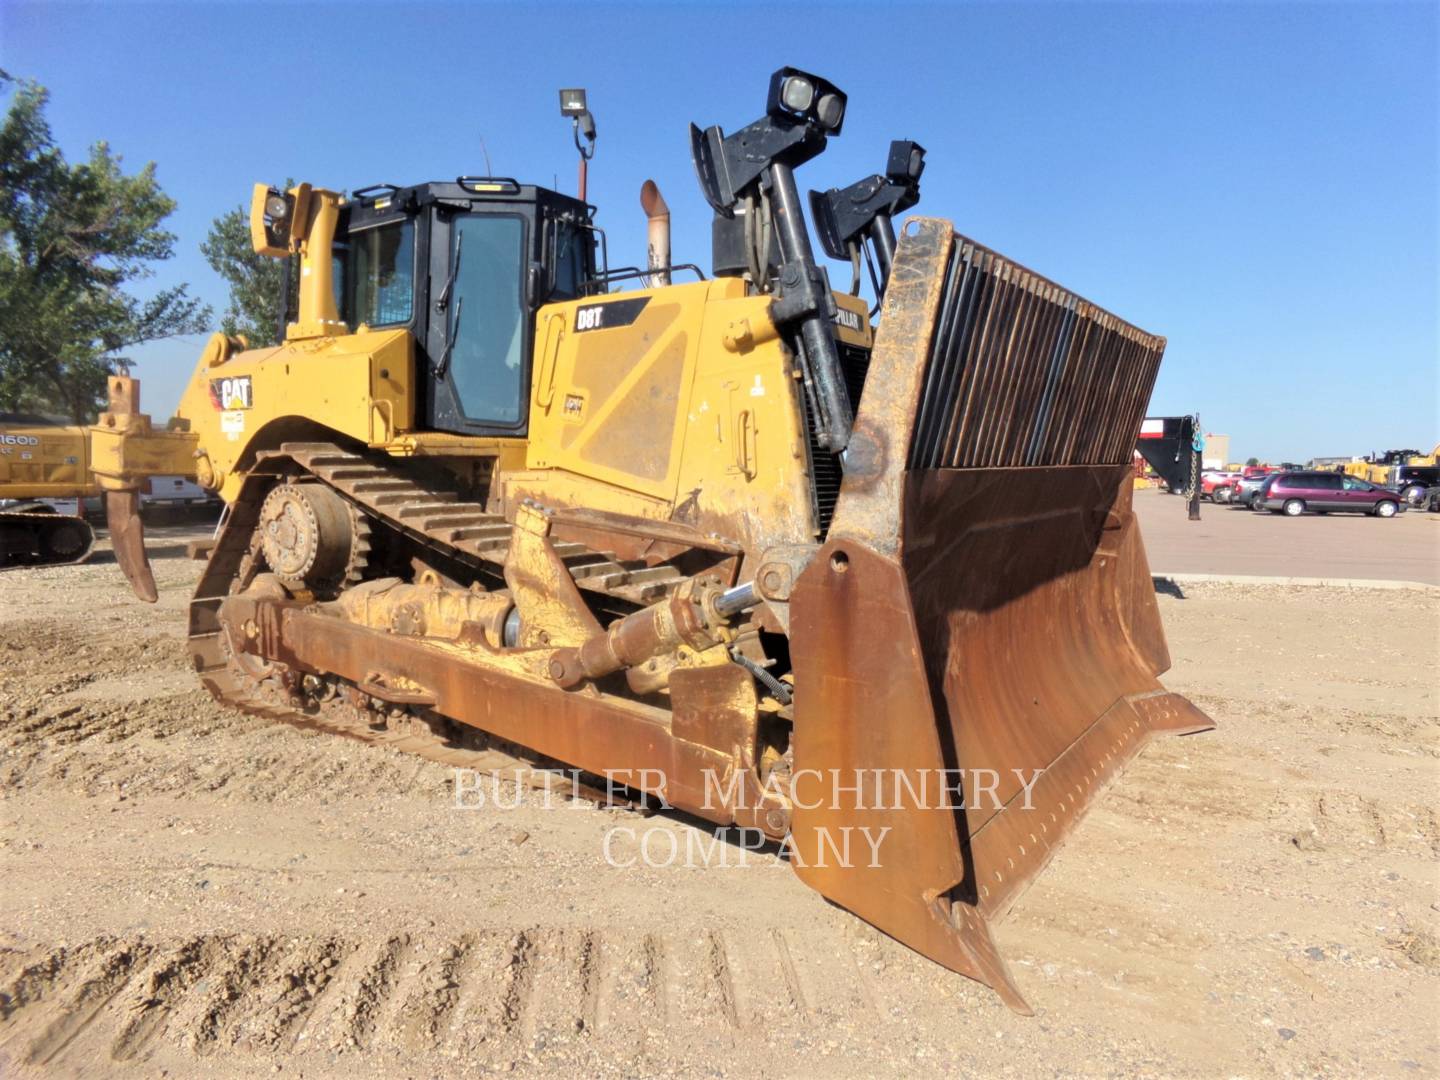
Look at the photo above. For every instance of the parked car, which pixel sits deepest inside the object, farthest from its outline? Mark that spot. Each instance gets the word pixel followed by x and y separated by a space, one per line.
pixel 1411 481
pixel 1246 490
pixel 1295 493
pixel 1228 489
pixel 1212 480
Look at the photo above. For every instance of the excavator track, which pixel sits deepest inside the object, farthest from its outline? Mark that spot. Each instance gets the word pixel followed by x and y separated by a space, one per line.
pixel 29 538
pixel 434 519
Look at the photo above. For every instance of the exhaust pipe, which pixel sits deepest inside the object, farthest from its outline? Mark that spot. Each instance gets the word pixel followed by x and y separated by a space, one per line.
pixel 658 233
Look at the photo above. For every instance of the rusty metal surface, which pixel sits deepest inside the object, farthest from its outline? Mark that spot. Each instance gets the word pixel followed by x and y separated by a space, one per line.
pixel 1032 657
pixel 1017 606
pixel 869 502
pixel 1024 372
pixel 437 519
pixel 671 532
pixel 122 504
pixel 552 612
pixel 710 729
pixel 983 609
pixel 866 706
pixel 628 742
pixel 127 537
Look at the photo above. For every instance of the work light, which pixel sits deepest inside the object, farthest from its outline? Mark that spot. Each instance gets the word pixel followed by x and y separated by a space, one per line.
pixel 799 96
pixel 906 161
pixel 572 102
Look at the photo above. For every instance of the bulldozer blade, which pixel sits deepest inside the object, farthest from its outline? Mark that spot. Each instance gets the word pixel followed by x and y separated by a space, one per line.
pixel 127 537
pixel 978 638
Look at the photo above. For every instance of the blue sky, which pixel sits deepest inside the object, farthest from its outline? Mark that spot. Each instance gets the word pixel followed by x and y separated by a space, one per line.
pixel 1256 182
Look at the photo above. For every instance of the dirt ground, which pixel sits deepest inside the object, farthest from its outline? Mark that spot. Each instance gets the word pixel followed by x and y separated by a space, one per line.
pixel 188 891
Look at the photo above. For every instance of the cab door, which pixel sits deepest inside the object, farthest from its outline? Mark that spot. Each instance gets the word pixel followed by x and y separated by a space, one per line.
pixel 1329 492
pixel 1357 494
pixel 479 327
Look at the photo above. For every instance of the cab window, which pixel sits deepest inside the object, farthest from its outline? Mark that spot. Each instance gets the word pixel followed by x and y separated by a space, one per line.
pixel 1355 484
pixel 381 275
pixel 484 339
pixel 569 261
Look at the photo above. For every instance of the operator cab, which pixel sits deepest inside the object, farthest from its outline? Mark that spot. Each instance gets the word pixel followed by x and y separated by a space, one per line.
pixel 463 265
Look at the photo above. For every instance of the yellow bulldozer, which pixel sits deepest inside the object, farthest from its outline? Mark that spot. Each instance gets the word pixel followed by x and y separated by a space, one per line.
pixel 721 542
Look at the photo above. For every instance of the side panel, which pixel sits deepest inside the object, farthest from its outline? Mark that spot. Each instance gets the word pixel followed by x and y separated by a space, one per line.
pixel 677 404
pixel 358 385
pixel 608 390
pixel 42 460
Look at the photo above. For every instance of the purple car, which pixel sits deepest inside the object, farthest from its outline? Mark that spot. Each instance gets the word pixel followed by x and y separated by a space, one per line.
pixel 1293 493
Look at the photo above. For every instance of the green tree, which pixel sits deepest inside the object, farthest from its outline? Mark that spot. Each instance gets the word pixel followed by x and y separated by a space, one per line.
pixel 1252 461
pixel 73 240
pixel 255 280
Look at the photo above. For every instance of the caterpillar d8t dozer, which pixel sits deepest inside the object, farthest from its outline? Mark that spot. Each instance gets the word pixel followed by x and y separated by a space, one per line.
pixel 878 596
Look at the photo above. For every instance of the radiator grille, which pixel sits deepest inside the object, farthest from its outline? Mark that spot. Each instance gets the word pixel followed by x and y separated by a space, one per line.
pixel 825 469
pixel 1022 372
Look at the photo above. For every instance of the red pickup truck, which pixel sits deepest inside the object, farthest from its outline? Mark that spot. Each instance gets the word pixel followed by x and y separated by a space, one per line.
pixel 1215 484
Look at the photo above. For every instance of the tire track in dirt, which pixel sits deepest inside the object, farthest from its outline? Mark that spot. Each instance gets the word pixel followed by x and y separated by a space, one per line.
pixel 488 995
pixel 77 994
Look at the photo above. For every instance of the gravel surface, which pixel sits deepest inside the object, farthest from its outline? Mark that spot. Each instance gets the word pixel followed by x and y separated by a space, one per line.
pixel 188 891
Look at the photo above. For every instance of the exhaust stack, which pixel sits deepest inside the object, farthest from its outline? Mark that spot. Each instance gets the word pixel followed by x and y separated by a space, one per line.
pixel 657 244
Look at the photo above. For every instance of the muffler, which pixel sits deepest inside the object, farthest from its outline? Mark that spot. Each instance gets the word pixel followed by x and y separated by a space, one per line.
pixel 657 246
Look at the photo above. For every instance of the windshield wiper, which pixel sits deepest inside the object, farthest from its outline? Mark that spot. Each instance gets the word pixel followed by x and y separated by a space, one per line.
pixel 443 301
pixel 444 363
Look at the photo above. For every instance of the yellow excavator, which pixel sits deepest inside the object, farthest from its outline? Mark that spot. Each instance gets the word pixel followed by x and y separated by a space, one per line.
pixel 874 593
pixel 42 460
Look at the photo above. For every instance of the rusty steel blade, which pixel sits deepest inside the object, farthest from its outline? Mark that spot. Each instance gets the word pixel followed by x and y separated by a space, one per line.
pixel 127 537
pixel 979 637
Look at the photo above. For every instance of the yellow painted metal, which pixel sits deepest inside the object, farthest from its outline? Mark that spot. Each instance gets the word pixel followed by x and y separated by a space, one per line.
pixel 310 233
pixel 689 413
pixel 427 607
pixel 552 611
pixel 43 461
pixel 261 238
pixel 356 385
pixel 316 312
pixel 126 449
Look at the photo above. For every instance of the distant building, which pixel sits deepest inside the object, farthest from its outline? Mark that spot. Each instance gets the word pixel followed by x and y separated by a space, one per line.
pixel 1217 451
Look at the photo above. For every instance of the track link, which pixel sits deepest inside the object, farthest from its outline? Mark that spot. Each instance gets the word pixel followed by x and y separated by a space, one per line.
pixel 440 521
pixel 29 539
